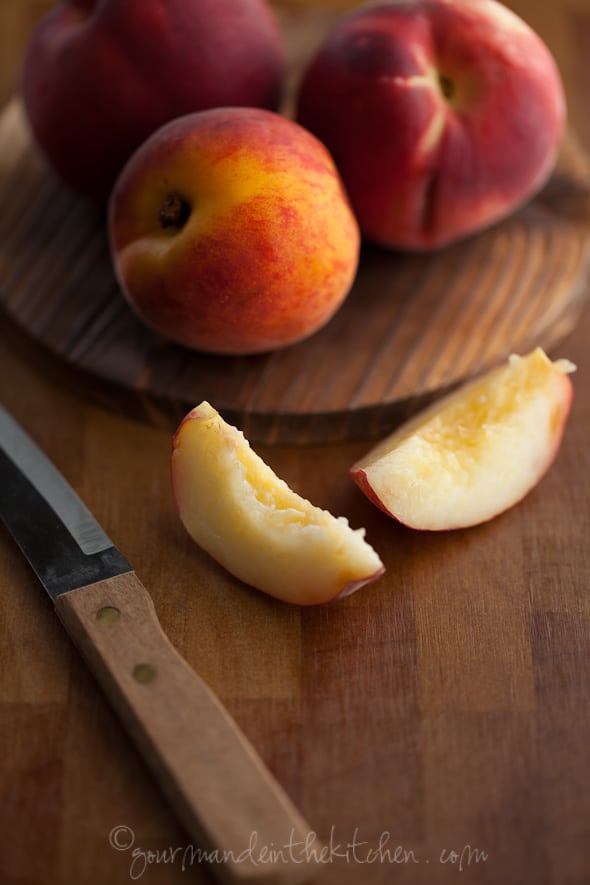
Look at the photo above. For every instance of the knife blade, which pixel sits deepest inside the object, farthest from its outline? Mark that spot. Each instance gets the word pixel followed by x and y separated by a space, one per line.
pixel 226 798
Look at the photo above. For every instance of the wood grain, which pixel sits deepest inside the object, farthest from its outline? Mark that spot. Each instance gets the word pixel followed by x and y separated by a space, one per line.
pixel 448 704
pixel 412 326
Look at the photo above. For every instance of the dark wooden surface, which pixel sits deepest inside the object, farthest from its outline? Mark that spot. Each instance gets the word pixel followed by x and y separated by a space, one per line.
pixel 412 326
pixel 447 705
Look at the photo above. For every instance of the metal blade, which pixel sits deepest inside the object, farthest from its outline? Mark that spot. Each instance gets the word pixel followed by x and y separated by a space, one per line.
pixel 63 542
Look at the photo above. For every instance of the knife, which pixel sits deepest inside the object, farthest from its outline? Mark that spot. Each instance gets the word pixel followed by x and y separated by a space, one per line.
pixel 227 800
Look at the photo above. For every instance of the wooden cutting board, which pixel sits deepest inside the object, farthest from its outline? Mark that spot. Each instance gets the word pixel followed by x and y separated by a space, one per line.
pixel 413 325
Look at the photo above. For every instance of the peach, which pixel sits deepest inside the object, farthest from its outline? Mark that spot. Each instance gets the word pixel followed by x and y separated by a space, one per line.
pixel 237 510
pixel 231 232
pixel 477 451
pixel 101 75
pixel 443 116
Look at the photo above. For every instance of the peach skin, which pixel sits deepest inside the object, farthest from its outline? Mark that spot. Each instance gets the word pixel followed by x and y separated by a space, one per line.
pixel 101 75
pixel 443 116
pixel 231 232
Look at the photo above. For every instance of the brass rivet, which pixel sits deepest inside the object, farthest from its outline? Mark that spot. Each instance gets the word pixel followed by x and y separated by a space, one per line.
pixel 108 615
pixel 144 673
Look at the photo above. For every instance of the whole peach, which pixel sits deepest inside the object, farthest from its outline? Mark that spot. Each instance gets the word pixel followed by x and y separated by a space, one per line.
pixel 230 231
pixel 100 76
pixel 443 116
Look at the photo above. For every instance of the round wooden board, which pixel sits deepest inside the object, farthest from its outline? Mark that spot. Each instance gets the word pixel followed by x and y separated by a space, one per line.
pixel 413 325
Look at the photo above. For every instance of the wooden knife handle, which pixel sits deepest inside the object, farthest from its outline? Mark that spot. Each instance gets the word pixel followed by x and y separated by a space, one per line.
pixel 222 792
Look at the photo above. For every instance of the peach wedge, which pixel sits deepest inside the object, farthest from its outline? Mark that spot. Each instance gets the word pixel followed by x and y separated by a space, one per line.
pixel 477 451
pixel 235 507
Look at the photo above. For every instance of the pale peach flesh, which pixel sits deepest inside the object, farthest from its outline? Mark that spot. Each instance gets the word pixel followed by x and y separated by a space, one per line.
pixel 477 451
pixel 236 509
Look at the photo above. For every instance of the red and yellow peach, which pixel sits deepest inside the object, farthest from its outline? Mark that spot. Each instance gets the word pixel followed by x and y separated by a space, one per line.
pixel 231 232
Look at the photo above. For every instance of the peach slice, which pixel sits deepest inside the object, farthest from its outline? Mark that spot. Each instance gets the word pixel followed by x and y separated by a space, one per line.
pixel 235 507
pixel 477 451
